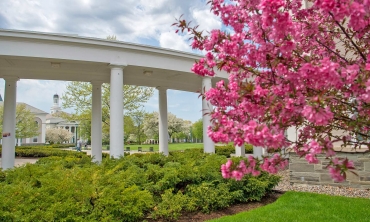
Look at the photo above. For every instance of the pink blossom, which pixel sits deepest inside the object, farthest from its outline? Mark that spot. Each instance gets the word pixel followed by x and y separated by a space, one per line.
pixel 286 72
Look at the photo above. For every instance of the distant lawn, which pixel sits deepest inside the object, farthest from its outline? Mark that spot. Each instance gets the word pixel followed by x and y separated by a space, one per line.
pixel 171 146
pixel 298 206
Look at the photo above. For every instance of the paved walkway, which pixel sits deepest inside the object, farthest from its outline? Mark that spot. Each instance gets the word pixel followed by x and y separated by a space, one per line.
pixel 22 161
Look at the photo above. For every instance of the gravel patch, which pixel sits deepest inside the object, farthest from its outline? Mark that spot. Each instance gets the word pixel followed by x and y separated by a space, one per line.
pixel 285 185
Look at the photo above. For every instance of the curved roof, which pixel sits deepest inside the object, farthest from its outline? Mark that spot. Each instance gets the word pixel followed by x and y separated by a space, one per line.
pixel 36 55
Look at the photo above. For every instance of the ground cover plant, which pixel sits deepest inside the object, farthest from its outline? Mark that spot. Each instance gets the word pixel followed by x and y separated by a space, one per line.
pixel 132 188
pixel 300 206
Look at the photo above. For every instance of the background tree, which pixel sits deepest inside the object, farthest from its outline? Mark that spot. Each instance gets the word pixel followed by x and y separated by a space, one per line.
pixel 175 125
pixel 26 125
pixel 197 130
pixel 289 65
pixel 58 135
pixel 78 96
pixel 129 127
pixel 138 118
pixel 150 127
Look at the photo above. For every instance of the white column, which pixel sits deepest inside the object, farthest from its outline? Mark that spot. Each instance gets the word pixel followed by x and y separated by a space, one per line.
pixel 209 145
pixel 96 122
pixel 258 152
pixel 116 111
pixel 240 150
pixel 163 121
pixel 43 132
pixel 10 96
pixel 291 134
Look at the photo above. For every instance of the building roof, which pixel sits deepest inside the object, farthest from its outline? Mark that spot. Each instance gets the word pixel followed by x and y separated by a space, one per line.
pixel 29 107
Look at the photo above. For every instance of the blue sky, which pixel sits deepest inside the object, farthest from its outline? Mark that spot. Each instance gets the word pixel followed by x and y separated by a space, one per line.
pixel 137 21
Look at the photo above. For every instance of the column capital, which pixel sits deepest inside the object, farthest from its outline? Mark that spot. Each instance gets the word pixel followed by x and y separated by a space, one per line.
pixel 117 66
pixel 11 78
pixel 161 87
pixel 207 77
pixel 96 82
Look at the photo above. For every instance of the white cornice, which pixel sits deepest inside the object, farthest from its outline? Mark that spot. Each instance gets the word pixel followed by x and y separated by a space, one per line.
pixel 68 38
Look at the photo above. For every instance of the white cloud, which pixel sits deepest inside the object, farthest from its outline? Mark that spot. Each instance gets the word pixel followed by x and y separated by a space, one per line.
pixel 172 40
pixel 38 93
pixel 206 19
pixel 137 21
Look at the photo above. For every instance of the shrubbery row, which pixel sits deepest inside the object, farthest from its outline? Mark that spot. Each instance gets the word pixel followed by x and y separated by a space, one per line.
pixel 132 188
pixel 46 151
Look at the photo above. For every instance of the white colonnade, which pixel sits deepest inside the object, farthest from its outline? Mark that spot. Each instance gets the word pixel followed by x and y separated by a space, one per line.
pixel 10 96
pixel 116 111
pixel 163 120
pixel 96 122
pixel 209 145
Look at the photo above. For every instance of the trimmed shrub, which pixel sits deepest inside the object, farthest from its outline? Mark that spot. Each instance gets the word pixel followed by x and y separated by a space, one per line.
pixel 44 152
pixel 133 188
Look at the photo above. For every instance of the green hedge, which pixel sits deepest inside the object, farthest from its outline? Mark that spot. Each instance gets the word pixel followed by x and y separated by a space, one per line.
pixel 226 150
pixel 133 188
pixel 64 145
pixel 44 152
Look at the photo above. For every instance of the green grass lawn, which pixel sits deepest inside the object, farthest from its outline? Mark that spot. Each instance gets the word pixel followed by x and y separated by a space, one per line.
pixel 171 146
pixel 298 206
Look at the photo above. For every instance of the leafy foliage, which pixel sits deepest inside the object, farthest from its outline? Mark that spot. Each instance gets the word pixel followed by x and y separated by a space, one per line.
pixel 26 126
pixel 175 125
pixel 78 96
pixel 58 135
pixel 127 189
pixel 197 129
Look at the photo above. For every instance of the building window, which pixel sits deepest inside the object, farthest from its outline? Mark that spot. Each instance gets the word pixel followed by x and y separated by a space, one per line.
pixel 34 140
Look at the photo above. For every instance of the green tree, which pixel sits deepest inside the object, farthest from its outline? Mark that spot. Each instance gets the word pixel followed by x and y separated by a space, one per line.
pixel 128 126
pixel 78 96
pixel 26 125
pixel 176 125
pixel 197 130
pixel 58 135
pixel 138 118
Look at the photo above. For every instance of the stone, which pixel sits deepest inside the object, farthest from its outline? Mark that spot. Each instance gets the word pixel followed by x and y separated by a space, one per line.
pixel 304 177
pixel 314 183
pixel 318 167
pixel 359 166
pixel 361 182
pixel 301 167
pixel 364 178
pixel 363 174
pixel 325 178
pixel 366 166
pixel 363 159
pixel 352 177
pixel 325 163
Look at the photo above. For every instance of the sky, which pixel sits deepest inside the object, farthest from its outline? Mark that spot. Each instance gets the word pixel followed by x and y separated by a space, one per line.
pixel 145 22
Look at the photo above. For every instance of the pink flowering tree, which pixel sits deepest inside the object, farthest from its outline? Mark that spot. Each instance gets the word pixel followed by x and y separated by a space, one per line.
pixel 291 63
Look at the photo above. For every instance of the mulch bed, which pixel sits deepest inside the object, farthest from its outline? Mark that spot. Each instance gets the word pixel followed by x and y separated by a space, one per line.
pixel 237 208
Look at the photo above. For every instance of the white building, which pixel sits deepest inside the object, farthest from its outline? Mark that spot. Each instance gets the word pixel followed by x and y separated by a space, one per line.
pixel 47 120
pixel 53 120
